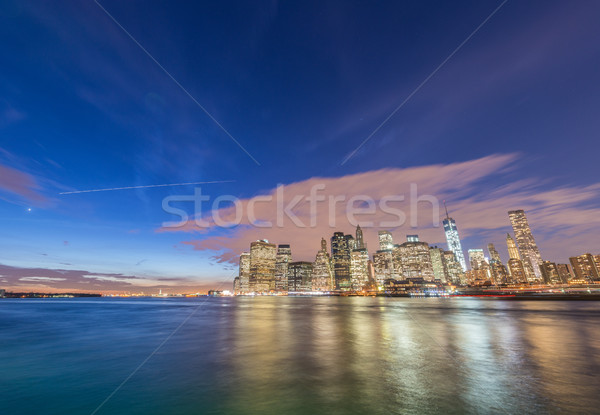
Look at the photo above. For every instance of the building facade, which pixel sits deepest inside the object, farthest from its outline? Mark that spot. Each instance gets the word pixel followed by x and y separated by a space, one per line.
pixel 262 266
pixel 530 254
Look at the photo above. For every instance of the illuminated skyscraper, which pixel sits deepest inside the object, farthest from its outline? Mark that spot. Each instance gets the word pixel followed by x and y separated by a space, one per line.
pixel 359 272
pixel 359 242
pixel 585 267
pixel 300 276
pixel 262 266
pixel 494 255
pixel 412 260
pixel 565 273
pixel 517 272
pixel 383 266
pixel 322 277
pixel 530 254
pixel 453 239
pixel 386 242
pixel 455 272
pixel 476 258
pixel 437 263
pixel 340 256
pixel 244 272
pixel 284 256
pixel 498 270
pixel 550 273
pixel 513 251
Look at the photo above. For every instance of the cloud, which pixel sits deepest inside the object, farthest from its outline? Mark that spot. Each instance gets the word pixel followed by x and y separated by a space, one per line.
pixel 20 279
pixel 560 217
pixel 24 185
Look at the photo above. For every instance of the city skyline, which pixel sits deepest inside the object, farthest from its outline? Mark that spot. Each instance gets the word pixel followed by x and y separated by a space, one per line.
pixel 350 268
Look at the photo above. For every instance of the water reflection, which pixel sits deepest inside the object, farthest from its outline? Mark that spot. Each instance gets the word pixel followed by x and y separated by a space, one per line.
pixel 300 356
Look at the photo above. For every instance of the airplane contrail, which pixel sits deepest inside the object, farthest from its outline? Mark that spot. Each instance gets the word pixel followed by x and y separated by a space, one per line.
pixel 142 187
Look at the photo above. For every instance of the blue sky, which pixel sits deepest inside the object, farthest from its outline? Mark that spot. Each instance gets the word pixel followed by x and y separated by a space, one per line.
pixel 299 85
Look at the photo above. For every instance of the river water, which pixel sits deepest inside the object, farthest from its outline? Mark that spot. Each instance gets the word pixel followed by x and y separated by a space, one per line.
pixel 279 355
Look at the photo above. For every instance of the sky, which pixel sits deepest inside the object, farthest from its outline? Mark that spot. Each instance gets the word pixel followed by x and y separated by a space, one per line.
pixel 255 95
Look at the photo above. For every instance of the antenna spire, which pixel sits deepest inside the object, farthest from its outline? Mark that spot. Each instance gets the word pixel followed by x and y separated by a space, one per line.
pixel 446 209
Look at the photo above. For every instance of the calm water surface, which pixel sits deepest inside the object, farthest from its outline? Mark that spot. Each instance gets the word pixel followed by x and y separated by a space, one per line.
pixel 299 356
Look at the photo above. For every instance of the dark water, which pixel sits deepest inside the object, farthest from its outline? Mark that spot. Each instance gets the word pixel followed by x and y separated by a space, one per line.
pixel 299 356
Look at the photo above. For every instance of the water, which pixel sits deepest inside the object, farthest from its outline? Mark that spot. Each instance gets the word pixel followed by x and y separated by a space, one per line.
pixel 299 356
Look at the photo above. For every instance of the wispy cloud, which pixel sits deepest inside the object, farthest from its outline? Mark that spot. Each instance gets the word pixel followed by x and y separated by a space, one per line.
pixel 22 279
pixel 17 183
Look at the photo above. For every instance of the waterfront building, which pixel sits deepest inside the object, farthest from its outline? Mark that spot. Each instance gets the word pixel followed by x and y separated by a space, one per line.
pixel 386 242
pixel 513 251
pixel 530 254
pixel 564 271
pixel 262 266
pixel 437 263
pixel 244 272
pixel 236 285
pixel 517 272
pixel 322 277
pixel 359 270
pixel 300 276
pixel 476 258
pixel 585 267
pixel 359 242
pixel 383 266
pixel 340 256
pixel 550 273
pixel 494 255
pixel 453 239
pixel 284 256
pixel 412 260
pixel 499 273
pixel 456 274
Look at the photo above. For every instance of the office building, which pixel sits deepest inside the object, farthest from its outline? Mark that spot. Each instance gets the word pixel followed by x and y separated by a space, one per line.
pixel 284 256
pixel 300 276
pixel 530 254
pixel 453 239
pixel 386 242
pixel 262 266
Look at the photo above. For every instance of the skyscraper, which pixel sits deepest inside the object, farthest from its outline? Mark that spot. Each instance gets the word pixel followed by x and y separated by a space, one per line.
pixel 359 242
pixel 494 255
pixel 513 251
pixel 476 258
pixel 456 275
pixel 244 272
pixel 453 239
pixel 550 273
pixel 300 276
pixel 340 256
pixel 530 254
pixel 585 267
pixel 412 260
pixel 437 263
pixel 386 242
pixel 262 266
pixel 284 256
pixel 383 266
pixel 322 277
pixel 359 272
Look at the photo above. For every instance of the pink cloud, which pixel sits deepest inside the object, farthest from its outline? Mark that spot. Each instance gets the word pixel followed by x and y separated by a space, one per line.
pixel 21 184
pixel 478 208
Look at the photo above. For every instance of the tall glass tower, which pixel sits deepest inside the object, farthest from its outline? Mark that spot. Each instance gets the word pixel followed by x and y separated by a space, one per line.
pixel 453 240
pixel 530 254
